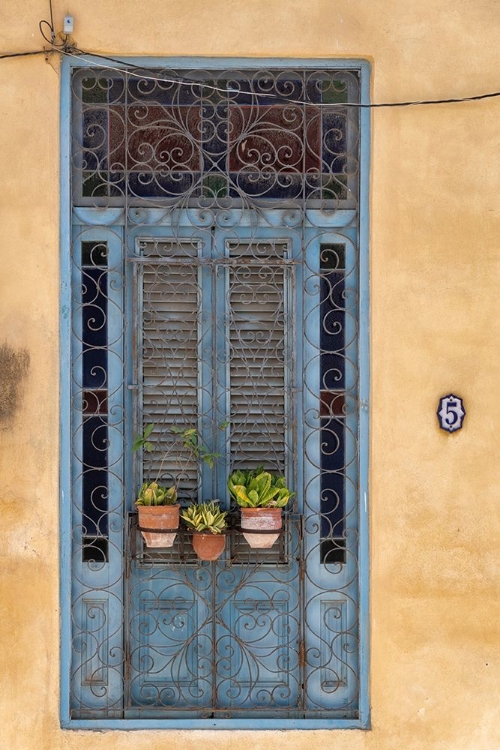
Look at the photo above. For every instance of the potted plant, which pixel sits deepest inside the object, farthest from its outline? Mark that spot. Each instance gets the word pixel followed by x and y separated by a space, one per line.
pixel 261 496
pixel 156 503
pixel 208 522
pixel 158 514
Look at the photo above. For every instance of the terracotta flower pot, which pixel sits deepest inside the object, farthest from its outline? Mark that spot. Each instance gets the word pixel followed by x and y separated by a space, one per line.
pixel 261 519
pixel 158 517
pixel 208 546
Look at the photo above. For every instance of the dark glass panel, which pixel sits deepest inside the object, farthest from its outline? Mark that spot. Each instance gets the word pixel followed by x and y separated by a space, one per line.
pixel 266 184
pixel 214 133
pixel 168 185
pixel 95 476
pixel 334 187
pixel 332 505
pixel 332 551
pixel 255 90
pixel 334 142
pixel 164 92
pixel 332 400
pixel 332 257
pixel 95 402
pixel 95 139
pixel 102 184
pixel 95 91
pixel 215 186
pixel 334 91
pixel 144 137
pixel 94 327
pixel 94 254
pixel 94 275
pixel 332 334
pixel 332 404
pixel 274 139
pixel 94 549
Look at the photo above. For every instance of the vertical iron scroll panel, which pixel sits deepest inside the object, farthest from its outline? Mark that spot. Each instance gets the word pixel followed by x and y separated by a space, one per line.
pixel 97 384
pixel 218 193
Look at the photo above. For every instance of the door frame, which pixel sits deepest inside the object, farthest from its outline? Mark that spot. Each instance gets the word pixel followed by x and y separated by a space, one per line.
pixel 67 65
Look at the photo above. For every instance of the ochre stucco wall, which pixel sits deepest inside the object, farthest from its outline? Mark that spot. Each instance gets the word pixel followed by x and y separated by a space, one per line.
pixel 435 274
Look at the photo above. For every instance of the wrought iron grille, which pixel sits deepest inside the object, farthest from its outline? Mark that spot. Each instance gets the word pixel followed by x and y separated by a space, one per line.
pixel 215 286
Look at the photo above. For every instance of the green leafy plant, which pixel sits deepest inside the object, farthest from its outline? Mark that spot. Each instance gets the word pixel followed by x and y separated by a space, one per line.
pixel 152 493
pixel 141 441
pixel 256 488
pixel 191 441
pixel 205 517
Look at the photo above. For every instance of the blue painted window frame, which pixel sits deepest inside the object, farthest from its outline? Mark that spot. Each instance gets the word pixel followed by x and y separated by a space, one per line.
pixel 363 722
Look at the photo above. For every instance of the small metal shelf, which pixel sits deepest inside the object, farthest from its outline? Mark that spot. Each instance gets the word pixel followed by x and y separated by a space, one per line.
pixel 237 551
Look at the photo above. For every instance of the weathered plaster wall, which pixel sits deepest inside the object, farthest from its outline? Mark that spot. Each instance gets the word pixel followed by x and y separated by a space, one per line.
pixel 435 264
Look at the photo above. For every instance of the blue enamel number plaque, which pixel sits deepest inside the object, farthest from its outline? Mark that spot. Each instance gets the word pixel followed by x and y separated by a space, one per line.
pixel 451 413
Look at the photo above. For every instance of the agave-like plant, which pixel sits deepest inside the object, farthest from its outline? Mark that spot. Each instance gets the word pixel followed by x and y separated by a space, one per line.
pixel 152 493
pixel 206 517
pixel 256 488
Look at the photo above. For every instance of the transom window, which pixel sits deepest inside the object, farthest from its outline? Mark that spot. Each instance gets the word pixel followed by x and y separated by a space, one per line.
pixel 218 137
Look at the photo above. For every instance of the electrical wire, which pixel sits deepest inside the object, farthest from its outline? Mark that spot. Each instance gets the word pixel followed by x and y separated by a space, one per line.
pixel 50 24
pixel 182 81
pixel 52 39
pixel 23 54
pixel 51 18
pixel 77 53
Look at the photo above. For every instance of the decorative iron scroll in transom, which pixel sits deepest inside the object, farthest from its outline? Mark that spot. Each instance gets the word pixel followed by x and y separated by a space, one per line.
pixel 215 285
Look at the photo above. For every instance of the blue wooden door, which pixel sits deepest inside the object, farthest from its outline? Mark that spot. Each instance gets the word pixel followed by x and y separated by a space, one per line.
pixel 258 624
pixel 215 313
pixel 251 325
pixel 256 326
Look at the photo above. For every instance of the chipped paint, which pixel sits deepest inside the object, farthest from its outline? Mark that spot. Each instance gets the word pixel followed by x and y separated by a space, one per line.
pixel 14 367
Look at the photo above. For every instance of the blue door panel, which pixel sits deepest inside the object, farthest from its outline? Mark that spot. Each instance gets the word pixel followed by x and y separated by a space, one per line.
pixel 253 638
pixel 97 480
pixel 169 640
pixel 331 619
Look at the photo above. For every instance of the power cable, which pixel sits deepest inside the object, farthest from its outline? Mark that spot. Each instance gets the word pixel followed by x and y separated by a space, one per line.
pixel 182 81
pixel 50 24
pixel 23 54
pixel 77 53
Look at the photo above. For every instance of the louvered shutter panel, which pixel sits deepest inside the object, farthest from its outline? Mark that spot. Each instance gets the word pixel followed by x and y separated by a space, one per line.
pixel 170 313
pixel 258 328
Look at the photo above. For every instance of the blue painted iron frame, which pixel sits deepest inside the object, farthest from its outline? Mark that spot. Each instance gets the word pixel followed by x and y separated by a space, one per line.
pixel 65 404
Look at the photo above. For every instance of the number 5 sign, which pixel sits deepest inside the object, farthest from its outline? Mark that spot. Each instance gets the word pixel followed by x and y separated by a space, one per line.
pixel 451 413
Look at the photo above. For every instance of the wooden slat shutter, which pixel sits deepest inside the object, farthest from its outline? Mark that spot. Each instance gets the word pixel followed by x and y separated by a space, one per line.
pixel 169 326
pixel 258 329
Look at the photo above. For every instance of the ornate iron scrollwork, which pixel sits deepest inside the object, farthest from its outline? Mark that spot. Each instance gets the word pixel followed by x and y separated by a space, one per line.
pixel 215 266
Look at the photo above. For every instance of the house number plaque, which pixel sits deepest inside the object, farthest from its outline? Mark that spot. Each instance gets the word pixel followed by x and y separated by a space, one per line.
pixel 451 413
